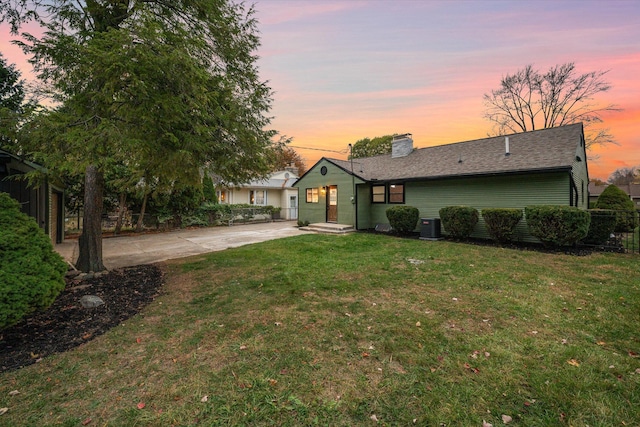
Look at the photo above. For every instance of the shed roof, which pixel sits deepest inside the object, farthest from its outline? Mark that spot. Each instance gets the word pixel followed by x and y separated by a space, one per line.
pixel 542 150
pixel 277 180
pixel 632 190
pixel 19 159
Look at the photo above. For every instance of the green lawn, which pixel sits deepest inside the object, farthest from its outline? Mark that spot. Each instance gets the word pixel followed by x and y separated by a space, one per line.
pixel 347 330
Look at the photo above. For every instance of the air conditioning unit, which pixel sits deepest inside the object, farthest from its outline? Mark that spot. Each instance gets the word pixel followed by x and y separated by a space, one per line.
pixel 430 229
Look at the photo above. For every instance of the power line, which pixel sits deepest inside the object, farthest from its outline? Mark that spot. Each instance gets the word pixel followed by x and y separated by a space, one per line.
pixel 320 149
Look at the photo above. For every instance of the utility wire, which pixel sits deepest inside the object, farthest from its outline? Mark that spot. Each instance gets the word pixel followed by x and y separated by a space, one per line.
pixel 320 149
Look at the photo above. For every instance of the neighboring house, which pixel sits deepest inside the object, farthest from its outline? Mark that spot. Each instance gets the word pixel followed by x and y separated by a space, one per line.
pixel 541 167
pixel 276 190
pixel 632 190
pixel 43 202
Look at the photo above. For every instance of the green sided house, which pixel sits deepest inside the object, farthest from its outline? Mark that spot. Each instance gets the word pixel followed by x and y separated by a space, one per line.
pixel 532 168
pixel 43 202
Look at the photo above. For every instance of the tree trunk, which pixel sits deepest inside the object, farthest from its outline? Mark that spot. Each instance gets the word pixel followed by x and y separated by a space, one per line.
pixel 140 223
pixel 122 202
pixel 90 241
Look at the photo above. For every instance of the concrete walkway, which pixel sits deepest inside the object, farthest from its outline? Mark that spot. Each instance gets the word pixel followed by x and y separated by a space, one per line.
pixel 149 248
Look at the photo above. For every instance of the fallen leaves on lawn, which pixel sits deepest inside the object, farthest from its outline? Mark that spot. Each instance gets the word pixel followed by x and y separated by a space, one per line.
pixel 506 419
pixel 204 399
pixel 573 362
pixel 471 368
pixel 141 405
pixel 486 424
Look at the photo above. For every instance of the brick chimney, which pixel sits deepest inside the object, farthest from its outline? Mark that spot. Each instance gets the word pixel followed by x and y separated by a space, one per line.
pixel 402 145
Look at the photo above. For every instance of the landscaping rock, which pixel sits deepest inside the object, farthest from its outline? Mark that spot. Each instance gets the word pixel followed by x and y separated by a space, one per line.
pixel 72 274
pixel 91 301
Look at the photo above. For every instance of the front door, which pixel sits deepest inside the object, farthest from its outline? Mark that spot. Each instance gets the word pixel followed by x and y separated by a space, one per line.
pixel 332 204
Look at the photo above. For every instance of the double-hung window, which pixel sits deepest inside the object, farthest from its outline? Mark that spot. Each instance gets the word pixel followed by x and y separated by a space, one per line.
pixel 396 193
pixel 379 194
pixel 257 197
pixel 312 195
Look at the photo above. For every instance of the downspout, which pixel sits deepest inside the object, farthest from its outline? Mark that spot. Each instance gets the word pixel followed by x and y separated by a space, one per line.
pixel 573 190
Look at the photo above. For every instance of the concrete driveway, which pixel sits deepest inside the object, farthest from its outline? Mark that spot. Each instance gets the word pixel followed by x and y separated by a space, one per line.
pixel 149 248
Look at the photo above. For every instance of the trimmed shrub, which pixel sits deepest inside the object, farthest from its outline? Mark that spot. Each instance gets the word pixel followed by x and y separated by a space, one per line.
pixel 501 222
pixel 31 272
pixel 459 221
pixel 615 199
pixel 603 223
pixel 557 225
pixel 403 219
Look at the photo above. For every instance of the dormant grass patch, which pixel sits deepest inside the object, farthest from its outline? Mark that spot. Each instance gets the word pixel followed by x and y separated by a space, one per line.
pixel 358 330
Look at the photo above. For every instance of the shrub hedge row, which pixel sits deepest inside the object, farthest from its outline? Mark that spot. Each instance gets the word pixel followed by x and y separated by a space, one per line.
pixel 403 219
pixel 553 225
pixel 459 221
pixel 557 225
pixel 501 222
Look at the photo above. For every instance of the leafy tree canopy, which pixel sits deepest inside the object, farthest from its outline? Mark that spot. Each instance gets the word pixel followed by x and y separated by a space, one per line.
pixel 529 100
pixel 285 157
pixel 161 87
pixel 11 86
pixel 12 98
pixel 367 147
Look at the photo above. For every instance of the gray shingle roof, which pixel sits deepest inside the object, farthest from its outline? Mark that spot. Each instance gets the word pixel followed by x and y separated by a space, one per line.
pixel 632 190
pixel 547 149
pixel 271 183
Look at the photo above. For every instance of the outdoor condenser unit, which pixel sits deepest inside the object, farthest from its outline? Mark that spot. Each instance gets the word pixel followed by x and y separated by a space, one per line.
pixel 430 228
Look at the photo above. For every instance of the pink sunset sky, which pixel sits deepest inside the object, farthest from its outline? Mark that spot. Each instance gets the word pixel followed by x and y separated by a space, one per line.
pixel 347 69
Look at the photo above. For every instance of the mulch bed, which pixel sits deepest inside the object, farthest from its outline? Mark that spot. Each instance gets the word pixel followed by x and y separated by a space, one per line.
pixel 66 324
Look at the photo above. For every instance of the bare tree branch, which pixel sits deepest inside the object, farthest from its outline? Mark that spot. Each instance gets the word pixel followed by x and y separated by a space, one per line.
pixel 529 100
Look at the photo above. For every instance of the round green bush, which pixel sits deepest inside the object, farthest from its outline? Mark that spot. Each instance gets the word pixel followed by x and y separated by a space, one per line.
pixel 459 221
pixel 614 198
pixel 501 222
pixel 557 225
pixel 403 219
pixel 603 223
pixel 31 272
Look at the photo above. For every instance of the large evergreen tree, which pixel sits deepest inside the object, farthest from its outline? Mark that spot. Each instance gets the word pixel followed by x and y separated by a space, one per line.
pixel 164 87
pixel 12 99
